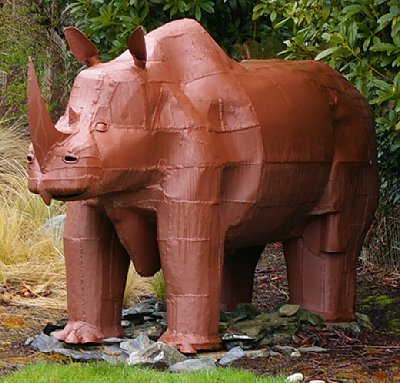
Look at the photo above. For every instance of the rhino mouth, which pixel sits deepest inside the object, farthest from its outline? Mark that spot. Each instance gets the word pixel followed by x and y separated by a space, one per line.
pixel 66 196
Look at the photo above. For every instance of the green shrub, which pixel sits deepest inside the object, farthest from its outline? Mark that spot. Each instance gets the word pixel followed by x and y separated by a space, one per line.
pixel 15 48
pixel 157 286
pixel 32 28
pixel 360 39
pixel 228 21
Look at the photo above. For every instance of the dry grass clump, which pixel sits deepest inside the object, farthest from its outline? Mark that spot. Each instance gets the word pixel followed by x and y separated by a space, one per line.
pixel 32 267
pixel 158 286
pixel 12 145
pixel 382 246
pixel 136 287
pixel 31 261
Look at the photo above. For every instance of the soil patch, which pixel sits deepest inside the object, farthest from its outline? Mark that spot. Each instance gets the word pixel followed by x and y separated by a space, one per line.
pixel 371 356
pixel 17 323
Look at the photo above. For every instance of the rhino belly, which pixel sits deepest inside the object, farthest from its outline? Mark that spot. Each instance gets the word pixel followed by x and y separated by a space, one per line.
pixel 285 196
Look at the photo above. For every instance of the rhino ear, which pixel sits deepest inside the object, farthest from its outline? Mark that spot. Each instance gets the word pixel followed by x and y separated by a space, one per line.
pixel 81 47
pixel 137 47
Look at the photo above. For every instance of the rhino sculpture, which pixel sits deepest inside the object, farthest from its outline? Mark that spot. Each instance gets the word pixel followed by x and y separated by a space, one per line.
pixel 175 156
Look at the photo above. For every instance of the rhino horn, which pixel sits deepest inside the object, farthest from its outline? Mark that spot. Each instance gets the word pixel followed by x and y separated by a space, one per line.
pixel 137 47
pixel 43 133
pixel 81 47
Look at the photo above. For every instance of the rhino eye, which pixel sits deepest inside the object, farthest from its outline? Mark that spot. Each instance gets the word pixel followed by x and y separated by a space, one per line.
pixel 101 127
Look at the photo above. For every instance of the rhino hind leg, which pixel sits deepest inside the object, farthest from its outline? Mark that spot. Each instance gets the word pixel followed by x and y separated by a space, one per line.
pixel 238 276
pixel 322 263
pixel 96 266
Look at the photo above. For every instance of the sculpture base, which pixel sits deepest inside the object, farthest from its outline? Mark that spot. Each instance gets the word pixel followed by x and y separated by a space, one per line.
pixel 190 343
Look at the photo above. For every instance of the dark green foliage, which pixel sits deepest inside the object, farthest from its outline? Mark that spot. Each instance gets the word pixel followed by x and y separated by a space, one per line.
pixel 359 38
pixel 33 28
pixel 109 23
pixel 17 43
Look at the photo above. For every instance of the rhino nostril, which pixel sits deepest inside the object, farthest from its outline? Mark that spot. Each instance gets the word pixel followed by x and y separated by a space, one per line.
pixel 69 159
pixel 30 158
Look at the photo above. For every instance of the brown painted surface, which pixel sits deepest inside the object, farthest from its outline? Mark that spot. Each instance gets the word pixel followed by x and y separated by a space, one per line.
pixel 176 156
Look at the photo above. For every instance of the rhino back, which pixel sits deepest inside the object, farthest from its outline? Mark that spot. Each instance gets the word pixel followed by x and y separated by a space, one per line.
pixel 310 119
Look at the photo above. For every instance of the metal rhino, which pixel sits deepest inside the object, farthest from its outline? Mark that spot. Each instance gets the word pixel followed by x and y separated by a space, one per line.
pixel 175 156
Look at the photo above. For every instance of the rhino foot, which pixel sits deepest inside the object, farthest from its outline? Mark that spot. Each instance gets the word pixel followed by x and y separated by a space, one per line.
pixel 190 343
pixel 79 332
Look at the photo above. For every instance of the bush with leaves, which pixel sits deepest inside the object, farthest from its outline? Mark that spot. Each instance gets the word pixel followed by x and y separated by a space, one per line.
pixel 17 42
pixel 33 28
pixel 360 39
pixel 109 23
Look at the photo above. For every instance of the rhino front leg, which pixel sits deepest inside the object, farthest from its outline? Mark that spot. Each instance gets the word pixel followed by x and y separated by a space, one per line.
pixel 96 266
pixel 191 248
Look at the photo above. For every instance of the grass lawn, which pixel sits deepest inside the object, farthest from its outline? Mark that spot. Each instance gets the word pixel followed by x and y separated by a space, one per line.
pixel 103 372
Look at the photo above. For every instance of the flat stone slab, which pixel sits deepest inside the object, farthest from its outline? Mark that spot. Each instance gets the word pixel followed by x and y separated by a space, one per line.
pixel 232 355
pixel 44 343
pixel 313 349
pixel 288 310
pixel 193 365
pixel 241 331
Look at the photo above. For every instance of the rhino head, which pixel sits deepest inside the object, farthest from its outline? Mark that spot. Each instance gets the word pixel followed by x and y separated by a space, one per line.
pixel 100 144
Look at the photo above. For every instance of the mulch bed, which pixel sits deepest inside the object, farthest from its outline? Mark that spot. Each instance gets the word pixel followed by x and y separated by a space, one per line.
pixel 371 356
